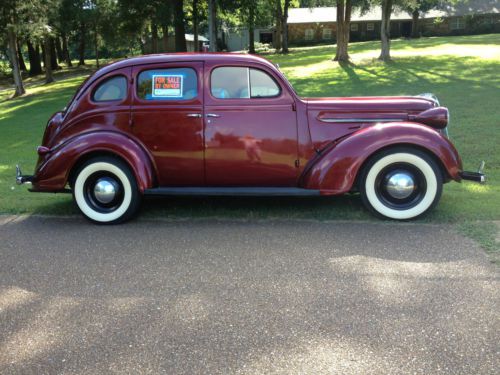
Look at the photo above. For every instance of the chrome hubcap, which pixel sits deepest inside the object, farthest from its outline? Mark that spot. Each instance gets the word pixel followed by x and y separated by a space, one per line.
pixel 400 185
pixel 105 190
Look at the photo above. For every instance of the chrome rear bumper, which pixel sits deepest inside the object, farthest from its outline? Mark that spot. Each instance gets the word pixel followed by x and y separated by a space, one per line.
pixel 475 176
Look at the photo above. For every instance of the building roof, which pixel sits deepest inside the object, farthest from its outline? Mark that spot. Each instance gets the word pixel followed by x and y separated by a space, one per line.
pixel 329 14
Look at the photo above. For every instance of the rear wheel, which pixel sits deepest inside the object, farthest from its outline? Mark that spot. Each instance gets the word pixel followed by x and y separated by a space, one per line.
pixel 401 183
pixel 105 190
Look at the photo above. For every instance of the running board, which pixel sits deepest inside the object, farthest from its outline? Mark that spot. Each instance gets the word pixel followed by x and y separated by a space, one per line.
pixel 233 191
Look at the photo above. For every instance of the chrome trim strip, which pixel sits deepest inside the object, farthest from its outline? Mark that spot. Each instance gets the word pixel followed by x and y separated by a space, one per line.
pixel 361 119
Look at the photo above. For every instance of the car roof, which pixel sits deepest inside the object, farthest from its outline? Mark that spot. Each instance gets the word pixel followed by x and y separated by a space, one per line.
pixel 222 57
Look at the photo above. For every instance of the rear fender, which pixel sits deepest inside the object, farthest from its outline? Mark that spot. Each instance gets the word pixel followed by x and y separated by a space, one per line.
pixel 335 172
pixel 53 171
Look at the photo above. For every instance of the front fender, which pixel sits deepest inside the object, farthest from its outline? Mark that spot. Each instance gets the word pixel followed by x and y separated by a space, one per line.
pixel 335 172
pixel 53 171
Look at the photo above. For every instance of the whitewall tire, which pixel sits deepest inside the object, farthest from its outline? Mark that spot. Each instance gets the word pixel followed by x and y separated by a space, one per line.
pixel 105 190
pixel 401 183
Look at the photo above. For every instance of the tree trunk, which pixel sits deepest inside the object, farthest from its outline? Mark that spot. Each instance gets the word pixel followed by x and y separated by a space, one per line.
pixel 212 26
pixel 96 47
pixel 385 31
pixel 195 26
pixel 16 71
pixel 59 51
pixel 279 26
pixel 414 23
pixel 343 30
pixel 53 55
pixel 251 28
pixel 164 30
pixel 20 57
pixel 284 24
pixel 34 58
pixel 180 31
pixel 154 37
pixel 81 45
pixel 65 50
pixel 47 58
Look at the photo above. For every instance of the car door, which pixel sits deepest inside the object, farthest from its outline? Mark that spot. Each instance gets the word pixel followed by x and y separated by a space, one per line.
pixel 167 116
pixel 250 128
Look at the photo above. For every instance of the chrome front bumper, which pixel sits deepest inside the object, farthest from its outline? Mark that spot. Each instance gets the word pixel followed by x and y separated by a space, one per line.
pixel 22 179
pixel 475 176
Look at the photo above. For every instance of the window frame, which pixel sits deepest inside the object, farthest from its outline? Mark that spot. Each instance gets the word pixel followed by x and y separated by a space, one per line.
pixel 330 33
pixel 103 81
pixel 370 26
pixel 354 27
pixel 457 23
pixel 306 33
pixel 139 69
pixel 247 67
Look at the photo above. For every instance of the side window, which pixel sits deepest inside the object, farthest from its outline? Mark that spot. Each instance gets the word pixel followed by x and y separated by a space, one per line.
pixel 167 84
pixel 112 89
pixel 262 85
pixel 242 83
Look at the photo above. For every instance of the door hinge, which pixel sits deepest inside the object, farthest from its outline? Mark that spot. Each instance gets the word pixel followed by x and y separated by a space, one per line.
pixel 297 163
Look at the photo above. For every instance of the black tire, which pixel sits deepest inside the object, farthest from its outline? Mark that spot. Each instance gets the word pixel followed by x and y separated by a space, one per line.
pixel 105 190
pixel 401 183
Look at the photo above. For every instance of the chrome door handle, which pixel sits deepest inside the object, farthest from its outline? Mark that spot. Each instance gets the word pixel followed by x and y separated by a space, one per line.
pixel 212 115
pixel 197 115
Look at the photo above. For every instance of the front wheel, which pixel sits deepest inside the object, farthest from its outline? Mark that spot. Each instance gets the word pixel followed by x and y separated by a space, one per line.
pixel 105 190
pixel 401 183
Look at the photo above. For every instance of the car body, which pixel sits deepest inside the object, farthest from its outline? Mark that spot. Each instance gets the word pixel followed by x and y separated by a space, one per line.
pixel 231 124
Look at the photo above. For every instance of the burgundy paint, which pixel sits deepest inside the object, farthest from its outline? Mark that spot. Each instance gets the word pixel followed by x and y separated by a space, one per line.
pixel 436 117
pixel 281 141
pixel 336 170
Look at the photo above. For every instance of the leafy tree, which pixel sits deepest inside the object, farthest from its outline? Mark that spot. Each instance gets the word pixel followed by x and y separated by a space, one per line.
pixel 385 30
pixel 180 31
pixel 344 9
pixel 415 8
pixel 344 12
pixel 9 18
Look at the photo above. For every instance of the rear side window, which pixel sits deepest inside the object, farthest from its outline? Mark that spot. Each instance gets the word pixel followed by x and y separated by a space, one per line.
pixel 167 84
pixel 112 89
pixel 237 82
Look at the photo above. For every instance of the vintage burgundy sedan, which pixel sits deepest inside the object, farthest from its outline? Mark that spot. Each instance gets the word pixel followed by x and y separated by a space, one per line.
pixel 228 124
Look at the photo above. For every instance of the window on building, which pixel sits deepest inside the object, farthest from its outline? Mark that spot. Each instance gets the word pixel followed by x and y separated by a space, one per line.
pixel 327 33
pixel 457 23
pixel 309 34
pixel 370 26
pixel 231 82
pixel 167 84
pixel 354 27
pixel 112 89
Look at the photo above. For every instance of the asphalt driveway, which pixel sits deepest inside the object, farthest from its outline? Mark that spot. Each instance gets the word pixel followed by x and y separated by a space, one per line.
pixel 222 297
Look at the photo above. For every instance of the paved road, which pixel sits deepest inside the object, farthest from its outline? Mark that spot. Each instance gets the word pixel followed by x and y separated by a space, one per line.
pixel 208 297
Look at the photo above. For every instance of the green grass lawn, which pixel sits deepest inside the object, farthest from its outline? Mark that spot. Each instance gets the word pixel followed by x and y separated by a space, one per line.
pixel 464 72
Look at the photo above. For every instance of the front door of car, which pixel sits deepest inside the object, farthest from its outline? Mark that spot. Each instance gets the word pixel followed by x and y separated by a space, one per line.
pixel 250 128
pixel 167 116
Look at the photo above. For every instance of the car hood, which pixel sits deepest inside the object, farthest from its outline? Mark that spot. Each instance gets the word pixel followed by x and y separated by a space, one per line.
pixel 333 118
pixel 372 104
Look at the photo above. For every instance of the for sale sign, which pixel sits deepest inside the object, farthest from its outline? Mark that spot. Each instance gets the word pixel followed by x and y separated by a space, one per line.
pixel 167 86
